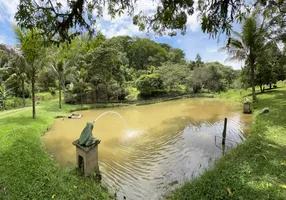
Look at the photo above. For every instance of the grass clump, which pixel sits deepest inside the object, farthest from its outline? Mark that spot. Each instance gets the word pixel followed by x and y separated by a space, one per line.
pixel 254 170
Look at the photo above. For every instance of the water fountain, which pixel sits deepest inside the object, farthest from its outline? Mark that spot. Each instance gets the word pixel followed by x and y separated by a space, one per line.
pixel 87 147
pixel 111 112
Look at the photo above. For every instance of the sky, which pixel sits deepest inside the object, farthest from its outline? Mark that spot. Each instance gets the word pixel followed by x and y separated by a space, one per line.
pixel 193 42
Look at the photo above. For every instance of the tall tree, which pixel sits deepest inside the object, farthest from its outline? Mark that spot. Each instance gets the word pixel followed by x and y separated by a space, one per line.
pixel 4 93
pixel 105 60
pixel 62 70
pixel 198 60
pixel 79 81
pixel 17 66
pixel 33 50
pixel 247 45
pixel 18 75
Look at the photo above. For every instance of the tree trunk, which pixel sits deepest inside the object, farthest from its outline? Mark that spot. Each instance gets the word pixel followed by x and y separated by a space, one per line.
pixel 270 86
pixel 94 95
pixel 64 90
pixel 4 103
pixel 60 94
pixel 97 94
pixel 261 89
pixel 23 93
pixel 33 94
pixel 252 74
pixel 106 95
pixel 81 98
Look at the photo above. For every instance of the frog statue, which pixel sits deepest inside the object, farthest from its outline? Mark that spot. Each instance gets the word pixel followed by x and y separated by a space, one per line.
pixel 86 139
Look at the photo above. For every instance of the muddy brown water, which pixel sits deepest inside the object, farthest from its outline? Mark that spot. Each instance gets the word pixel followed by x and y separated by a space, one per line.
pixel 164 145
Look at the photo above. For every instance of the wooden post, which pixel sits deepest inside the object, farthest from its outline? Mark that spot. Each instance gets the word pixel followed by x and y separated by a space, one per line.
pixel 224 131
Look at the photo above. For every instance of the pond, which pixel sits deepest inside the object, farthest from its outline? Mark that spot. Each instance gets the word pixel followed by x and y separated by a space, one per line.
pixel 163 145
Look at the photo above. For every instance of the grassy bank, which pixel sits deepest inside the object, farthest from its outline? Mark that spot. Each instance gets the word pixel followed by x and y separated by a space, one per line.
pixel 257 168
pixel 26 169
pixel 254 170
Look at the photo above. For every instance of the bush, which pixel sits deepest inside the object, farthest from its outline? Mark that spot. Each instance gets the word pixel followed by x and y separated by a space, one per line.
pixel 147 84
pixel 52 91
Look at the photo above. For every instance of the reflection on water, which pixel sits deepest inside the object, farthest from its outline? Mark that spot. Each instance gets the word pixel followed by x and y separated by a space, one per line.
pixel 164 145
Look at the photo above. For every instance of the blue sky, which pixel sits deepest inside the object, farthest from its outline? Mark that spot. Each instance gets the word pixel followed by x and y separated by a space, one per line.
pixel 194 42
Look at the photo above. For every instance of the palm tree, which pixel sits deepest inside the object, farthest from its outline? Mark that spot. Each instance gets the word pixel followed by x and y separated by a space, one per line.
pixel 4 93
pixel 62 70
pixel 248 45
pixel 17 62
pixel 19 66
pixel 31 45
pixel 79 81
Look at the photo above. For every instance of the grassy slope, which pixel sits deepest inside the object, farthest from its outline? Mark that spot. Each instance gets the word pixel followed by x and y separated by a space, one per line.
pixel 26 169
pixel 257 168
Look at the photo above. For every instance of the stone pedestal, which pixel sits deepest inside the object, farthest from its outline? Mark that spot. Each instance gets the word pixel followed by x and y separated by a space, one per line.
pixel 246 107
pixel 87 158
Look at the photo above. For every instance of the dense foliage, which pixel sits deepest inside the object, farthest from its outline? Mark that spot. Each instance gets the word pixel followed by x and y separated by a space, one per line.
pixel 101 70
pixel 91 68
pixel 57 18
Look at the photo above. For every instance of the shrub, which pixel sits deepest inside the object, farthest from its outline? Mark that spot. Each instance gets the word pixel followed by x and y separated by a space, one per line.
pixel 147 84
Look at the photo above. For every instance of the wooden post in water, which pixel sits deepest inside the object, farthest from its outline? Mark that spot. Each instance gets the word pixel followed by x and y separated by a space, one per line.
pixel 224 131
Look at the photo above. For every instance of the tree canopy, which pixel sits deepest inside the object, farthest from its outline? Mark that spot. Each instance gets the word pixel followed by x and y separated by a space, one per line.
pixel 60 23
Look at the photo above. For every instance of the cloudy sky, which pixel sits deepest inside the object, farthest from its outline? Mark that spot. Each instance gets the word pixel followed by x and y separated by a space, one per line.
pixel 194 42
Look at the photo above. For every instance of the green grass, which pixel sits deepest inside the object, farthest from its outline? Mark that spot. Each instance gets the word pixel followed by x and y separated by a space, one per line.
pixel 257 168
pixel 26 169
pixel 254 170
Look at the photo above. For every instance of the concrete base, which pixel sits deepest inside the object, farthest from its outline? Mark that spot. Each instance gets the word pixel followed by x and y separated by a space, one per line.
pixel 246 108
pixel 87 158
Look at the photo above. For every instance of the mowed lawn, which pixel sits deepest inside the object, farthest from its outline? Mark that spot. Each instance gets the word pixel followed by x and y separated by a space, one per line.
pixel 254 170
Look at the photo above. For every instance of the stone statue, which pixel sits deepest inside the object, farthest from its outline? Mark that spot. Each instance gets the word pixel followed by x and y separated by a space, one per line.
pixel 86 138
pixel 264 110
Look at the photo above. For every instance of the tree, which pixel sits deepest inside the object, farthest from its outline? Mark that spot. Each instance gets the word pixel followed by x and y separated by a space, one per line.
pixel 79 81
pixel 46 79
pixel 17 66
pixel 4 93
pixel 19 75
pixel 247 46
pixel 226 73
pixel 176 55
pixel 147 84
pixel 62 70
pixel 169 16
pixel 143 53
pixel 198 80
pixel 198 60
pixel 105 59
pixel 174 74
pixel 31 45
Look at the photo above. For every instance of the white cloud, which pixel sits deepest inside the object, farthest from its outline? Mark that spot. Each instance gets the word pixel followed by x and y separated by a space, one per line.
pixel 233 64
pixel 212 50
pixel 8 10
pixel 111 30
pixel 122 24
pixel 193 21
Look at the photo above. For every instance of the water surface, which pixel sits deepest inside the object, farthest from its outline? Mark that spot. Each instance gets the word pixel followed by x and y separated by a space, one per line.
pixel 164 145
